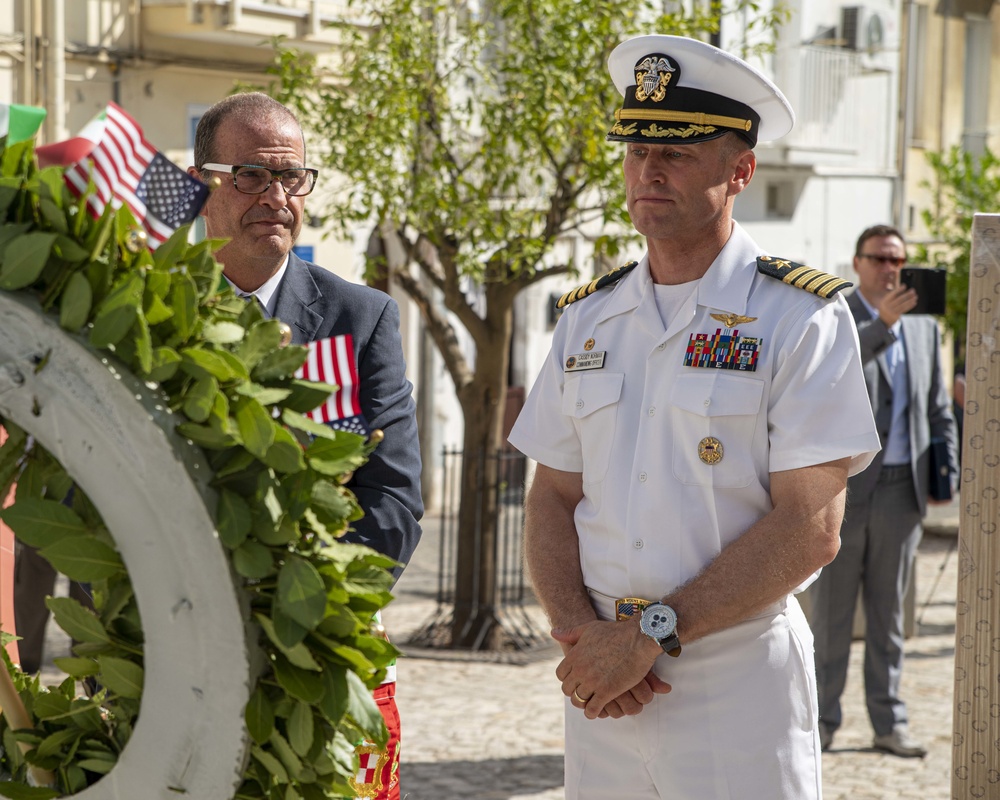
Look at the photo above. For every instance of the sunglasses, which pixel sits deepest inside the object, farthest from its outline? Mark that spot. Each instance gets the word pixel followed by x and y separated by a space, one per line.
pixel 896 262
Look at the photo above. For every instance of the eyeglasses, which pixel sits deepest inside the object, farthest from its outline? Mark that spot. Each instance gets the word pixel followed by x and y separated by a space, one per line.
pixel 251 179
pixel 896 262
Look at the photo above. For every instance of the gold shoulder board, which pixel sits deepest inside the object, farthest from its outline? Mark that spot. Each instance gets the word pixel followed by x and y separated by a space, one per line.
pixel 607 279
pixel 801 276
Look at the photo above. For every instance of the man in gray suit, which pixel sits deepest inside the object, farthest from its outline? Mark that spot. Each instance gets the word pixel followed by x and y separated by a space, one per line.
pixel 255 145
pixel 886 502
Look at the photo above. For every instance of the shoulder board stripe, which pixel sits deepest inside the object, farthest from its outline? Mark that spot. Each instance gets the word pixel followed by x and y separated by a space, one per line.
pixel 800 276
pixel 588 289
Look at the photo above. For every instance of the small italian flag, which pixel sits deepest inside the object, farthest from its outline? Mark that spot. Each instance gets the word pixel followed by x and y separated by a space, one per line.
pixel 20 123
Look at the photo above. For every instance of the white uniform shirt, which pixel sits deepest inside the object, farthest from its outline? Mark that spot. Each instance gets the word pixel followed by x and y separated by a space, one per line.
pixel 654 513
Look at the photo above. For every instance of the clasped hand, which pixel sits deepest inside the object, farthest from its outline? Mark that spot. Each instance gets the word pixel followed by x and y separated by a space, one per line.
pixel 609 667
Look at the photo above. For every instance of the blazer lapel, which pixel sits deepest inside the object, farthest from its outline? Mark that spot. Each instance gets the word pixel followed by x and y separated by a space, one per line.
pixel 296 296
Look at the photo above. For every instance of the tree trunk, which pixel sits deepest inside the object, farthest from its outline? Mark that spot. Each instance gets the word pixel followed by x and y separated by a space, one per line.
pixel 476 623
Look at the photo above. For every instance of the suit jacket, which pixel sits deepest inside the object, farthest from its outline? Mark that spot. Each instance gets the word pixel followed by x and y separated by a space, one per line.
pixel 929 407
pixel 317 304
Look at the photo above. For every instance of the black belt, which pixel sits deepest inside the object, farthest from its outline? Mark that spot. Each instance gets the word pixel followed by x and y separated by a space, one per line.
pixel 895 472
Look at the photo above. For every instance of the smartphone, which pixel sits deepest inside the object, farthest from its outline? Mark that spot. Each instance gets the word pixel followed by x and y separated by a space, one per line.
pixel 930 286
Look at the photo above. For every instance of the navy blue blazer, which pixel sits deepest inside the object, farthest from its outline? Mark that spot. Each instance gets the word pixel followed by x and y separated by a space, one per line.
pixel 318 304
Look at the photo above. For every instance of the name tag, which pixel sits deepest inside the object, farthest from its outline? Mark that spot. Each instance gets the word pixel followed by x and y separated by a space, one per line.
pixel 582 361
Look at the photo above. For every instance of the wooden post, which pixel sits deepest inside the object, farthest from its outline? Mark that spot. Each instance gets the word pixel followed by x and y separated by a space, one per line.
pixel 7 573
pixel 975 758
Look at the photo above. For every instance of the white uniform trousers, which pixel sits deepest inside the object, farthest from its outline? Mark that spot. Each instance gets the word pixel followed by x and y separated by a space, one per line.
pixel 739 724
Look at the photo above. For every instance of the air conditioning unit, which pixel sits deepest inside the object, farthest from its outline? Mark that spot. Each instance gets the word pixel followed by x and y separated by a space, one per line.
pixel 862 28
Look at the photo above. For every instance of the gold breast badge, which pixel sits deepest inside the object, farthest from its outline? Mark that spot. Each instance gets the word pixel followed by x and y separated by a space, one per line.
pixel 732 320
pixel 710 450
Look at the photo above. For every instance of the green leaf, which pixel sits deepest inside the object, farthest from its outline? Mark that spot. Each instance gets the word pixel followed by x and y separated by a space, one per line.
pixel 102 766
pixel 77 667
pixel 74 307
pixel 302 423
pixel 41 523
pixel 300 683
pixel 164 364
pixel 301 592
pixel 306 395
pixel 200 397
pixel 267 532
pixel 21 791
pixel 297 654
pixel 262 394
pixel 200 362
pixel 331 505
pixel 253 560
pixel 24 259
pixel 335 693
pixel 336 456
pixel 281 364
pixel 83 558
pixel 362 709
pixel 285 453
pixel 51 704
pixel 262 338
pixel 69 250
pixel 259 716
pixel 271 764
pixel 143 346
pixel 223 332
pixel 257 428
pixel 53 215
pixel 184 302
pixel 117 313
pixel 156 310
pixel 301 728
pixel 287 755
pixel 234 519
pixel 287 631
pixel 121 676
pixel 206 436
pixel 77 621
pixel 53 744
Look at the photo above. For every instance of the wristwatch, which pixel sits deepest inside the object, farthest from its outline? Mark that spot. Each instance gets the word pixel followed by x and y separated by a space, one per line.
pixel 659 623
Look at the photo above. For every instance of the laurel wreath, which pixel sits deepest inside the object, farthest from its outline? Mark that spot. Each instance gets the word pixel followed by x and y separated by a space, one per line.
pixel 281 504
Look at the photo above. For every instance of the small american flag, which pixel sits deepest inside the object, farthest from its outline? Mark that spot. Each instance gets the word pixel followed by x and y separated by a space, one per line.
pixel 332 361
pixel 126 169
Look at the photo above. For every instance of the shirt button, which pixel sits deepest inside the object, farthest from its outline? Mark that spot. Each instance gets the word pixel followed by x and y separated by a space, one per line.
pixel 708 403
pixel 579 403
pixel 652 411
pixel 642 477
pixel 661 345
pixel 638 544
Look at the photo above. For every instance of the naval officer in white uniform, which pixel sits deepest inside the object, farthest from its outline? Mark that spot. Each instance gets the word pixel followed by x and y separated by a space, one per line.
pixel 694 427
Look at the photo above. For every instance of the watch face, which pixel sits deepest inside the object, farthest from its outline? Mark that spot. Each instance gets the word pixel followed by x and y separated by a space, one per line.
pixel 658 621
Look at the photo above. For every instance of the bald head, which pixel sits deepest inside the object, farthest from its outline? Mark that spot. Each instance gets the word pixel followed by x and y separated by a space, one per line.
pixel 252 111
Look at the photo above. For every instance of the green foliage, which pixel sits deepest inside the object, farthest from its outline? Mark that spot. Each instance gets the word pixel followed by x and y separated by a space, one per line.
pixel 963 185
pixel 281 505
pixel 482 133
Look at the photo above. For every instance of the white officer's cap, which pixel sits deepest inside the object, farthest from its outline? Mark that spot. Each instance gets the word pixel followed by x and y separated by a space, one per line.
pixel 680 90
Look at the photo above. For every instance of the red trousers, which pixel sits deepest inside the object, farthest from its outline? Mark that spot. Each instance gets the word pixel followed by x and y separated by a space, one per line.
pixel 377 777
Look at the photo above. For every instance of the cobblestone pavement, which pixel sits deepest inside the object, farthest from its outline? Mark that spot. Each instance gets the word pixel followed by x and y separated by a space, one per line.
pixel 474 729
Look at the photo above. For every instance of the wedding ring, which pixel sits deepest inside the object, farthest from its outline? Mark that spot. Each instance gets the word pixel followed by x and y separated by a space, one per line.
pixel 576 696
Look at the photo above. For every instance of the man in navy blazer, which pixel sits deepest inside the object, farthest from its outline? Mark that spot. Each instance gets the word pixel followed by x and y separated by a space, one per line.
pixel 256 147
pixel 901 358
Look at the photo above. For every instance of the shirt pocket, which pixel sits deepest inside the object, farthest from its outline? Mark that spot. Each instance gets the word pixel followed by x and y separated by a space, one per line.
pixel 725 408
pixel 591 401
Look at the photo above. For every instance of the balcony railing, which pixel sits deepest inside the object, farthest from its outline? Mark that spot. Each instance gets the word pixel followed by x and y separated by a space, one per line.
pixel 845 104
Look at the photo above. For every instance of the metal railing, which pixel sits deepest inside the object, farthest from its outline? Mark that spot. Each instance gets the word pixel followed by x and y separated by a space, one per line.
pixel 520 632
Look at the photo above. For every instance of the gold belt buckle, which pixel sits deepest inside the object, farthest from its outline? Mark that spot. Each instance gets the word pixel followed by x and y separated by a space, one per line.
pixel 628 607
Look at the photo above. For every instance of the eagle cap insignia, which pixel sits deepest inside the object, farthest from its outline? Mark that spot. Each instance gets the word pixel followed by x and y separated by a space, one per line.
pixel 732 320
pixel 652 75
